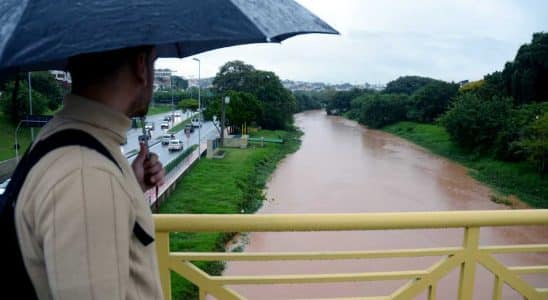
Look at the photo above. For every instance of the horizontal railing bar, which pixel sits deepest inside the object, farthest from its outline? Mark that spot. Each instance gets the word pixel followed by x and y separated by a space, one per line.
pixel 516 248
pixel 543 291
pixel 318 278
pixel 349 298
pixel 529 269
pixel 269 256
pixel 337 222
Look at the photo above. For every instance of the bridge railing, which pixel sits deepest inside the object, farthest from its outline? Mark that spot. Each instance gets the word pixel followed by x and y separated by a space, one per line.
pixel 466 257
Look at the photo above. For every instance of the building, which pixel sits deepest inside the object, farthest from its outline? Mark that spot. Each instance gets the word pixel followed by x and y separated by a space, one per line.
pixel 162 79
pixel 62 76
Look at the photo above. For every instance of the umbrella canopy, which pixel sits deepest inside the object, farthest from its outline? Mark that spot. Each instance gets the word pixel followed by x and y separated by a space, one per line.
pixel 41 35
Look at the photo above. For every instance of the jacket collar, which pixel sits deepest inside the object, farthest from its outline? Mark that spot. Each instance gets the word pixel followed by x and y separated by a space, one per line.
pixel 96 114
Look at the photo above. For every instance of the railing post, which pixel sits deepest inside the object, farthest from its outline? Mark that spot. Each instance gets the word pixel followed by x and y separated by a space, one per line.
pixel 162 251
pixel 468 267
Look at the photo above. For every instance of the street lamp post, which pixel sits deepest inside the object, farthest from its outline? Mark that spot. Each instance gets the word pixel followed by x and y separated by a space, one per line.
pixel 225 101
pixel 30 107
pixel 199 107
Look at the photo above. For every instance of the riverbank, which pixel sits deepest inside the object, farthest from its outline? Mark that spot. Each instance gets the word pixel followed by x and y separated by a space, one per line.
pixel 509 179
pixel 234 184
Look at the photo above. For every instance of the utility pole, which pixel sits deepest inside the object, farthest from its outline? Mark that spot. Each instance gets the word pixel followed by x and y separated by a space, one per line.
pixel 30 107
pixel 199 107
pixel 224 101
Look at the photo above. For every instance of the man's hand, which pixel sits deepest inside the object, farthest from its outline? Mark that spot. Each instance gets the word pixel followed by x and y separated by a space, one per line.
pixel 148 171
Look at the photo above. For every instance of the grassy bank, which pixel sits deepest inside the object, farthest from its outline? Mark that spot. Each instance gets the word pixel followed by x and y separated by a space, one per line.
pixel 508 178
pixel 7 138
pixel 230 185
pixel 158 109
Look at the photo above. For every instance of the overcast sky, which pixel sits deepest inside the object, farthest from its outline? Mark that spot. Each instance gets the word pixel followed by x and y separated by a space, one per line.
pixel 381 40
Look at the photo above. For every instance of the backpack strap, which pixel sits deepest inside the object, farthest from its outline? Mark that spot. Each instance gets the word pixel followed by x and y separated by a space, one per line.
pixel 63 138
pixel 17 278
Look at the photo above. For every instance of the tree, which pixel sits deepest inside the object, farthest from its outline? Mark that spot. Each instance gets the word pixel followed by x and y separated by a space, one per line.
pixel 307 100
pixel 526 78
pixel 378 110
pixel 406 85
pixel 46 84
pixel 188 104
pixel 474 123
pixel 276 100
pixel 244 108
pixel 432 100
pixel 17 110
pixel 340 101
pixel 536 143
pixel 179 82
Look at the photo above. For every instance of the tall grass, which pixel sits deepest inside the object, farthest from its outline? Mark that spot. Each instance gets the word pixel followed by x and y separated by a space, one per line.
pixel 510 178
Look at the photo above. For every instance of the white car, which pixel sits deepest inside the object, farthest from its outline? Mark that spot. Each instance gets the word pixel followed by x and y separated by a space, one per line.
pixel 177 114
pixel 4 185
pixel 175 145
pixel 196 123
pixel 164 125
pixel 166 138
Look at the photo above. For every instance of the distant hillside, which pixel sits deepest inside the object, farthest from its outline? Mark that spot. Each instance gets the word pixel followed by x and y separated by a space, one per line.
pixel 319 86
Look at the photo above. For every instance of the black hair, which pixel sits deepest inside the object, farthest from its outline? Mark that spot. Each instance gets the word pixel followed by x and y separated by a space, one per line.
pixel 97 68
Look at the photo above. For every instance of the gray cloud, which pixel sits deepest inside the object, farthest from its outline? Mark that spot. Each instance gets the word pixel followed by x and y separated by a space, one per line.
pixel 381 40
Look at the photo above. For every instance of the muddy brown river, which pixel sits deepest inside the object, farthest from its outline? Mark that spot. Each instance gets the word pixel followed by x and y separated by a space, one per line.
pixel 343 167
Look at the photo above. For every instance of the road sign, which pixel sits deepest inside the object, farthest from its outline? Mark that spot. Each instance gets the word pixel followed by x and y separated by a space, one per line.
pixel 35 120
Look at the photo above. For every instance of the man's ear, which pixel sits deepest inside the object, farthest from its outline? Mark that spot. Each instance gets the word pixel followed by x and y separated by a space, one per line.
pixel 140 68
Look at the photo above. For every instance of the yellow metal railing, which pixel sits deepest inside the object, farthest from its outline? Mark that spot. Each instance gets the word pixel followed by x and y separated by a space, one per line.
pixel 466 257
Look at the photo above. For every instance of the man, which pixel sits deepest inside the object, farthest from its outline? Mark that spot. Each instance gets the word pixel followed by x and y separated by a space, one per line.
pixel 77 212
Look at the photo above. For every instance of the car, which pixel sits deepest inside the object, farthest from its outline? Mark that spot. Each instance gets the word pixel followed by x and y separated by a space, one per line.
pixel 166 138
pixel 4 185
pixel 189 128
pixel 149 125
pixel 167 118
pixel 175 145
pixel 164 125
pixel 177 114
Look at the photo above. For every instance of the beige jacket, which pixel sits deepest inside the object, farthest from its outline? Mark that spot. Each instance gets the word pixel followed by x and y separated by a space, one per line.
pixel 76 212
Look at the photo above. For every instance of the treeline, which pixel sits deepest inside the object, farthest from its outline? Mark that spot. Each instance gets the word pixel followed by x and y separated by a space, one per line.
pixel 46 94
pixel 504 115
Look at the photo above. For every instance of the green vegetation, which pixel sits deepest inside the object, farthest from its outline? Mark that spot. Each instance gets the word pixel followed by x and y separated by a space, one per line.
pixel 231 185
pixel 46 96
pixel 188 104
pixel 155 109
pixel 179 158
pixel 181 125
pixel 7 138
pixel 510 178
pixel 265 87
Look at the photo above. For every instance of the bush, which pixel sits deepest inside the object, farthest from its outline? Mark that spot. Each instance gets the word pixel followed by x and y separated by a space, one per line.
pixel 382 109
pixel 536 143
pixel 507 146
pixel 432 100
pixel 474 123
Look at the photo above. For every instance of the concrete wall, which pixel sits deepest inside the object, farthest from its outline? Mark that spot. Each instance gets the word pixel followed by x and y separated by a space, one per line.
pixel 236 142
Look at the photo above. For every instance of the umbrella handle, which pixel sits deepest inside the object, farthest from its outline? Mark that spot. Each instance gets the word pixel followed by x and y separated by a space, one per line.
pixel 145 135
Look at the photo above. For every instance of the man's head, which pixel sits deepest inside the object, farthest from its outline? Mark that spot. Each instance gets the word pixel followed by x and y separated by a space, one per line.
pixel 120 78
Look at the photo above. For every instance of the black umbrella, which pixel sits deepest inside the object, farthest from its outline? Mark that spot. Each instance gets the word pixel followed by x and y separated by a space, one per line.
pixel 41 35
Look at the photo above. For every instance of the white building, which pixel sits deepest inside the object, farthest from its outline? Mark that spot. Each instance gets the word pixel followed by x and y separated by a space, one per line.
pixel 62 76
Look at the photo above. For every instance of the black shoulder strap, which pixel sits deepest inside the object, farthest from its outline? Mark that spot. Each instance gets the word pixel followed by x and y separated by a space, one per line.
pixel 63 138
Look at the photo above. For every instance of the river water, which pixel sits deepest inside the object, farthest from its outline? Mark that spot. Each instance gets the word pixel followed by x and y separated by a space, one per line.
pixel 343 167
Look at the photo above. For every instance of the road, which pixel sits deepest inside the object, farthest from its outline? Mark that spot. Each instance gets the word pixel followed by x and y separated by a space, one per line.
pixel 207 131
